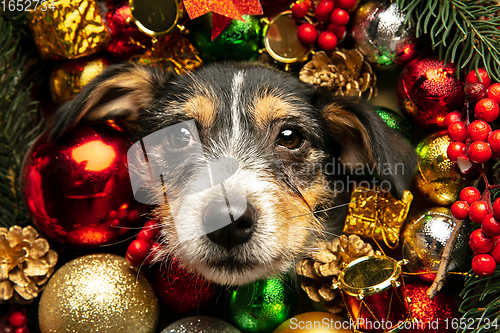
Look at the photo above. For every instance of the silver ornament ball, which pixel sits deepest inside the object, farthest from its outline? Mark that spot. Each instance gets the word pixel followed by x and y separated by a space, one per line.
pixel 200 324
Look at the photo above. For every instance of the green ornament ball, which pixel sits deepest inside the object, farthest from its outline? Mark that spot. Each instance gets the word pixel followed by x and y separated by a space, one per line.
pixel 262 306
pixel 395 121
pixel 239 41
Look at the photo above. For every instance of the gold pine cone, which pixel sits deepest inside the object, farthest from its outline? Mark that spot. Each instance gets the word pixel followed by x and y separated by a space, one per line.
pixel 323 268
pixel 346 73
pixel 26 263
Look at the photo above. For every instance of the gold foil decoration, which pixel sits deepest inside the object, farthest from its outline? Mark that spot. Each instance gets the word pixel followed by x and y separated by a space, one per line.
pixel 175 53
pixel 325 265
pixel 73 29
pixel 376 214
pixel 26 263
pixel 346 73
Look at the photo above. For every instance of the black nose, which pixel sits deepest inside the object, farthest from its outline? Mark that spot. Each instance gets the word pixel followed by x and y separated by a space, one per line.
pixel 238 232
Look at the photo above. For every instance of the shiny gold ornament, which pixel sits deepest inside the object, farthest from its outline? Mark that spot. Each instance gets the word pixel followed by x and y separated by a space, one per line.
pixel 438 178
pixel 315 322
pixel 325 265
pixel 70 76
pixel 176 53
pixel 155 18
pixel 424 238
pixel 26 264
pixel 376 214
pixel 98 293
pixel 346 73
pixel 72 29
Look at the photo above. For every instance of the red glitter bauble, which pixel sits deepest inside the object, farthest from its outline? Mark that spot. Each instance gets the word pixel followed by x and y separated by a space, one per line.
pixel 431 315
pixel 183 292
pixel 126 39
pixel 428 90
pixel 78 188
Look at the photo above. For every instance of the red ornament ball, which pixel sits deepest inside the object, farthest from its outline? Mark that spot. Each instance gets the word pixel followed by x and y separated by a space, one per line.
pixel 323 10
pixel 483 78
pixel 459 210
pixel 478 211
pixel 494 92
pixel 77 188
pixel 124 32
pixel 307 33
pixel 478 130
pixel 486 109
pixel 451 118
pixel 183 292
pixel 470 194
pixel 457 131
pixel 339 16
pixel 327 41
pixel 494 141
pixel 299 10
pixel 427 312
pixel 483 265
pixel 479 152
pixel 456 149
pixel 491 226
pixel 428 90
pixel 479 242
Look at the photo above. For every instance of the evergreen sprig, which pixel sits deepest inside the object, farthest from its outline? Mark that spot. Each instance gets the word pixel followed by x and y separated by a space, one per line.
pixel 19 125
pixel 464 32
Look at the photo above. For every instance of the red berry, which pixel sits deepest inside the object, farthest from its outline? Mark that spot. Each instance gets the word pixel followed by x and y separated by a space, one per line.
pixel 478 130
pixel 470 194
pixel 299 10
pixel 486 109
pixel 457 131
pixel 495 251
pixel 17 319
pixel 339 16
pixel 149 231
pixel 451 118
pixel 137 252
pixel 496 208
pixel 494 141
pixel 483 265
pixel 327 41
pixel 346 4
pixel 307 33
pixel 478 211
pixel 338 30
pixel 323 10
pixel 491 226
pixel 459 210
pixel 494 92
pixel 456 149
pixel 155 248
pixel 22 330
pixel 479 242
pixel 483 74
pixel 479 152
pixel 474 92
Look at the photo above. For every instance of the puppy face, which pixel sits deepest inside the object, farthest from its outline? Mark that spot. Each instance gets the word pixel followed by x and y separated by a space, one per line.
pixel 242 151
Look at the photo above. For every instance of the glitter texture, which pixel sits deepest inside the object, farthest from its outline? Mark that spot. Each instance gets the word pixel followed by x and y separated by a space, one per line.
pixel 98 293
pixel 201 324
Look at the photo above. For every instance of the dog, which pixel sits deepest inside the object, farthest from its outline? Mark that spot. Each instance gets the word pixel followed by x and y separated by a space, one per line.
pixel 272 132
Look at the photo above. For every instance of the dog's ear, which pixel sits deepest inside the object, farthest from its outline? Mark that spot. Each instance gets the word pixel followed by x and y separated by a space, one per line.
pixel 366 141
pixel 121 92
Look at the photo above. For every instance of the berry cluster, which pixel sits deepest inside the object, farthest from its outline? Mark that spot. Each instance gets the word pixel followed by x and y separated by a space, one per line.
pixel 332 17
pixel 474 143
pixel 142 250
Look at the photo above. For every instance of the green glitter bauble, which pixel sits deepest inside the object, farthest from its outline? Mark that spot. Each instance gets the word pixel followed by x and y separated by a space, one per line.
pixel 239 41
pixel 395 121
pixel 263 305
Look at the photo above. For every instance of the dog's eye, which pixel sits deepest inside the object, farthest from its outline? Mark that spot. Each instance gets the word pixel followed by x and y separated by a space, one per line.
pixel 180 137
pixel 290 138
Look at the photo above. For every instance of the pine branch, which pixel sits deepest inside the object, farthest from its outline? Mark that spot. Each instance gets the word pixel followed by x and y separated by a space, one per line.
pixel 19 125
pixel 464 32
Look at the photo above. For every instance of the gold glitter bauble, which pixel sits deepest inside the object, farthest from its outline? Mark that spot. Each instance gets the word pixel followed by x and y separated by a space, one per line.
pixel 438 178
pixel 98 293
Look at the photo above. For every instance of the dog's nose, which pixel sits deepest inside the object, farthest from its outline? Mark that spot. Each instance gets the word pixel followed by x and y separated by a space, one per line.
pixel 238 232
